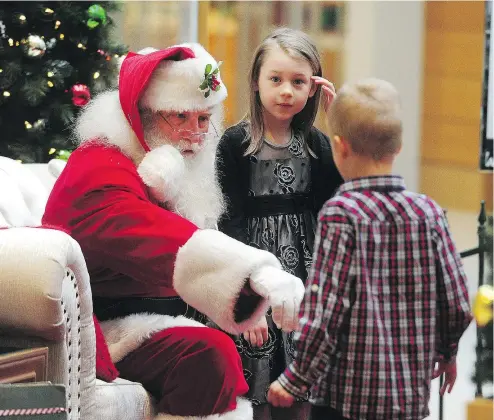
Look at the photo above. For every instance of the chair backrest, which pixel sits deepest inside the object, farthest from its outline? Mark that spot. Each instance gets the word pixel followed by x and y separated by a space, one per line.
pixel 24 191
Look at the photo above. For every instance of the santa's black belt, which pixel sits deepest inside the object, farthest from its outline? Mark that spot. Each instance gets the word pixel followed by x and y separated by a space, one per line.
pixel 106 308
pixel 273 205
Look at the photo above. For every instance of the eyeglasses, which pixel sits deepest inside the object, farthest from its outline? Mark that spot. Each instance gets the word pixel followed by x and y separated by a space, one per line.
pixel 189 133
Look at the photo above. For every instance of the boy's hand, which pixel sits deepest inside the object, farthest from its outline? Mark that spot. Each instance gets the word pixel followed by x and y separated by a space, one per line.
pixel 258 334
pixel 328 91
pixel 278 397
pixel 449 370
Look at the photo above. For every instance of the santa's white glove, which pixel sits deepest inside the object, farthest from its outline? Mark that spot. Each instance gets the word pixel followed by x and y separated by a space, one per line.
pixel 284 292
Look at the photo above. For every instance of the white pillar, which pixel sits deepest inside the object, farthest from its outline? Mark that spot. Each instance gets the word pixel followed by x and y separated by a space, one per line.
pixel 384 39
pixel 189 19
pixel 295 14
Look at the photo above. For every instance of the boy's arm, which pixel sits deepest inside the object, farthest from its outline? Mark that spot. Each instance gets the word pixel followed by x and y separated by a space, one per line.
pixel 325 304
pixel 453 307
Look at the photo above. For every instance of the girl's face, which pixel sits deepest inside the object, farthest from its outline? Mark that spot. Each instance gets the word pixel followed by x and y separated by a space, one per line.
pixel 284 84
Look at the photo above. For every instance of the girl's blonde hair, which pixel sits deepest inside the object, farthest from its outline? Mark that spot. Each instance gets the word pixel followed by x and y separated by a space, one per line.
pixel 296 44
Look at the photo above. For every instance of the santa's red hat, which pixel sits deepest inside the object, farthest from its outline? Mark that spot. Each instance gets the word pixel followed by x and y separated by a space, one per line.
pixel 180 78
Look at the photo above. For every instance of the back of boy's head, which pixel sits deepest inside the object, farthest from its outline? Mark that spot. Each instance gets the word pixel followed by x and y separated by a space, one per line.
pixel 296 44
pixel 367 115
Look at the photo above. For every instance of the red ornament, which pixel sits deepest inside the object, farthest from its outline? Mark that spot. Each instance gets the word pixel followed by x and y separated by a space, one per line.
pixel 80 95
pixel 214 83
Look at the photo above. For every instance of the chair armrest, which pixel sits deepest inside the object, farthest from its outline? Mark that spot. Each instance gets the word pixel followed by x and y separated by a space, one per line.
pixel 33 266
pixel 46 295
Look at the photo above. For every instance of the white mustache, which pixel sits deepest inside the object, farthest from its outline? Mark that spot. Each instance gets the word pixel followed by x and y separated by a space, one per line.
pixel 185 145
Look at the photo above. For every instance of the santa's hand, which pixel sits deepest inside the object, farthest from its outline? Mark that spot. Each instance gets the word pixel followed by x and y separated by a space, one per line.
pixel 284 292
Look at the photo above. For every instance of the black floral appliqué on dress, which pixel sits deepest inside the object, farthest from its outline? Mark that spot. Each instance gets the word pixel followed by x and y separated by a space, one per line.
pixel 277 170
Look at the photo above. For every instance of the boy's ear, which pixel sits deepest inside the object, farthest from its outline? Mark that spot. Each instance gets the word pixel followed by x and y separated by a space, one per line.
pixel 341 146
pixel 336 143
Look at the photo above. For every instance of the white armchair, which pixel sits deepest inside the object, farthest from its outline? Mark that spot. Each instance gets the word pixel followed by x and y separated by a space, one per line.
pixel 45 300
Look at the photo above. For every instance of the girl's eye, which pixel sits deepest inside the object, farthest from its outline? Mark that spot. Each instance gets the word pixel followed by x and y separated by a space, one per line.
pixel 299 82
pixel 275 79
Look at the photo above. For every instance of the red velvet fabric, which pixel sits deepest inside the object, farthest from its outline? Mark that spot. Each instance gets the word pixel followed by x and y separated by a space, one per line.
pixel 129 242
pixel 191 371
pixel 105 369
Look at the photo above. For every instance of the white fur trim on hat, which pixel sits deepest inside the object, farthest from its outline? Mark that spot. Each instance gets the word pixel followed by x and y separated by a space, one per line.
pixel 211 270
pixel 174 85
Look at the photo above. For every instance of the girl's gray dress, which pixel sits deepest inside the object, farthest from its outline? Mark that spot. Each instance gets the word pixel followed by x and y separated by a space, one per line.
pixel 283 171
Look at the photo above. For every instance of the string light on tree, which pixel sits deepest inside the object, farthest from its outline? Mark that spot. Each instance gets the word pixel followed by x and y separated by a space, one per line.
pixel 62 36
pixel 28 125
pixel 50 83
pixel 96 75
pixel 39 124
pixel 6 93
pixel 49 11
pixel 57 24
pixel 11 42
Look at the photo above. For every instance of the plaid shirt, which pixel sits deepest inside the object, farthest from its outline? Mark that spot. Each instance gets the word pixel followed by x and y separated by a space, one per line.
pixel 386 297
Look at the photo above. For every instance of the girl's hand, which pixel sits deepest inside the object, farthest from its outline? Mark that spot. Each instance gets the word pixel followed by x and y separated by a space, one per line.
pixel 258 334
pixel 328 91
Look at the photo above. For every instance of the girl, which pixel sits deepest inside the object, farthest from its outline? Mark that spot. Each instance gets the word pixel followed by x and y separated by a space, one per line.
pixel 276 171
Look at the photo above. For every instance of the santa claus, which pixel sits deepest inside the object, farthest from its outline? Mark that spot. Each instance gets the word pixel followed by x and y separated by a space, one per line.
pixel 140 196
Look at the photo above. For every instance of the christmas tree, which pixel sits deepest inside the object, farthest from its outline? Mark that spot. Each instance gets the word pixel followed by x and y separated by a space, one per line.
pixel 54 56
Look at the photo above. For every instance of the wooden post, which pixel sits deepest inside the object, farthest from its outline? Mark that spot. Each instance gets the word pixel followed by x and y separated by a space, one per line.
pixel 203 29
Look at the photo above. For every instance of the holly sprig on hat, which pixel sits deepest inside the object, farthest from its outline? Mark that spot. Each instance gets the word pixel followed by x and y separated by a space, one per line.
pixel 210 82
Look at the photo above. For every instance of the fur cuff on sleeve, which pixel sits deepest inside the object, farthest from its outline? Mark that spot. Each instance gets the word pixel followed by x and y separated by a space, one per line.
pixel 212 269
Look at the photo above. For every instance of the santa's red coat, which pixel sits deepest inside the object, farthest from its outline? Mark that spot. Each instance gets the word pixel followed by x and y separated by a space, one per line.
pixel 129 241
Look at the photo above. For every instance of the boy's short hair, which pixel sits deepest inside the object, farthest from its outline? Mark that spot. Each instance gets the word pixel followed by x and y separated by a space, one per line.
pixel 367 115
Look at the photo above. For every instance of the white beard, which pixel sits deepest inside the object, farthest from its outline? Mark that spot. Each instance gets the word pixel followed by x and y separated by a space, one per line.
pixel 198 198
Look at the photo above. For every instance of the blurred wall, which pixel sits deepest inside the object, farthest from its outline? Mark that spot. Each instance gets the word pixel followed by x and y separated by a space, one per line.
pixel 452 95
pixel 384 39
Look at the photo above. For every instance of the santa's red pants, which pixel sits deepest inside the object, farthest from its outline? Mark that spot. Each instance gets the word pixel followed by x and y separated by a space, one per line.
pixel 191 371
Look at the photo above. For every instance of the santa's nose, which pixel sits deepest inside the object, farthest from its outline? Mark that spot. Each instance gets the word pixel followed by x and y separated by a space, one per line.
pixel 196 139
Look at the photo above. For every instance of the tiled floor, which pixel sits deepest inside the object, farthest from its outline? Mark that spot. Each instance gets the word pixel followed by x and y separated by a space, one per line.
pixel 464 230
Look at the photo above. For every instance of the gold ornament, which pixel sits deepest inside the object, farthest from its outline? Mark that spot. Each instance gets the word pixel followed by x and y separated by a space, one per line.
pixel 483 305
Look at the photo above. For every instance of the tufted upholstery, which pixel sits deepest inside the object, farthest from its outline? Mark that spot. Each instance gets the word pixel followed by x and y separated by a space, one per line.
pixel 46 298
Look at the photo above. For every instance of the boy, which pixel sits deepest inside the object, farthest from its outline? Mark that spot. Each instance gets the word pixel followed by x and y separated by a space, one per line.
pixel 387 297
